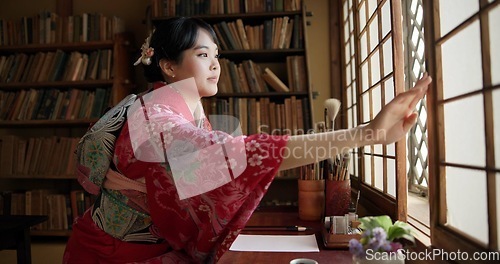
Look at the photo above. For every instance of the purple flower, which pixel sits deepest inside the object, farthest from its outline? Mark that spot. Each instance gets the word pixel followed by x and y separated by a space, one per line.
pixel 366 233
pixel 356 248
pixel 395 246
pixel 379 234
pixel 386 246
pixel 378 239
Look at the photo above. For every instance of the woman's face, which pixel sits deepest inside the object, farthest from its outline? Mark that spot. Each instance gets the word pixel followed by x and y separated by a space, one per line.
pixel 202 63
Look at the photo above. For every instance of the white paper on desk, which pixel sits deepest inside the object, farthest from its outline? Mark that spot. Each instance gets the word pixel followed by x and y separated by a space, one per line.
pixel 273 243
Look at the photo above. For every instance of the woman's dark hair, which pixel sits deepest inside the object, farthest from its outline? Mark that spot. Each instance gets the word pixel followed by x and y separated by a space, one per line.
pixel 170 38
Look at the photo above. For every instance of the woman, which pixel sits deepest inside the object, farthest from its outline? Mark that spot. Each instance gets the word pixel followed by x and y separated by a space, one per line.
pixel 185 191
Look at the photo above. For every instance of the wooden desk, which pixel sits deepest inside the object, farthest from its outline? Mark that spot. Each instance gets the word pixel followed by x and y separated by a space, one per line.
pixel 15 234
pixel 283 219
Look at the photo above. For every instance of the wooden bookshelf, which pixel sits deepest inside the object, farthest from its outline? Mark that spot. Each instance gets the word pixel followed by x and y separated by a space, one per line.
pixel 37 157
pixel 276 50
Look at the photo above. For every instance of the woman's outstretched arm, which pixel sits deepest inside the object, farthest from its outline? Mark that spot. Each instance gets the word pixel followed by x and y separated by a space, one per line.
pixel 391 123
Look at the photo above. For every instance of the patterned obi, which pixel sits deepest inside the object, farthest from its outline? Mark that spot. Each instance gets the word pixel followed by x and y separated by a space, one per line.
pixel 119 215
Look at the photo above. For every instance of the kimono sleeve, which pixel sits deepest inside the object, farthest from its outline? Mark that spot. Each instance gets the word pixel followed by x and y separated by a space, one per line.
pixel 204 226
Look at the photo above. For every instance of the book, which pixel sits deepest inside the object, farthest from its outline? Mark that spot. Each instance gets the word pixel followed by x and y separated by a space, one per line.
pixel 242 33
pixel 229 37
pixel 37 64
pixel 7 154
pixel 28 69
pixel 274 81
pixel 29 154
pixel 47 64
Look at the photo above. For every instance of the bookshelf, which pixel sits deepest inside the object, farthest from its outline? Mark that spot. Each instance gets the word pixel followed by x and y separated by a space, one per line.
pixel 51 90
pixel 263 48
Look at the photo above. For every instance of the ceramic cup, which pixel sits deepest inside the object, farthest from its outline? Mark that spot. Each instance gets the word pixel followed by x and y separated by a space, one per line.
pixel 303 261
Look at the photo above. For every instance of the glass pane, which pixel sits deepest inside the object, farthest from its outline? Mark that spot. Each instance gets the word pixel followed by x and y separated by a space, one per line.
pixel 352 45
pixel 462 62
pixel 367 149
pixel 364 77
pixel 346 10
pixel 391 150
pixel 378 149
pixel 386 18
pixel 349 118
pixel 376 100
pixel 353 71
pixel 413 7
pixel 379 173
pixel 467 206
pixel 363 47
pixel 362 16
pixel 372 6
pixel 354 98
pixel 494 17
pixel 353 164
pixel 374 34
pixel 375 67
pixel 366 107
pixel 346 32
pixel 368 169
pixel 348 78
pixel 451 16
pixel 355 113
pixel 464 131
pixel 389 90
pixel 349 96
pixel 391 177
pixel 496 127
pixel 387 57
pixel 351 23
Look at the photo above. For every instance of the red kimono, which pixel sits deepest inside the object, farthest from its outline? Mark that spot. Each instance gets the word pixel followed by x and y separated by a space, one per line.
pixel 197 188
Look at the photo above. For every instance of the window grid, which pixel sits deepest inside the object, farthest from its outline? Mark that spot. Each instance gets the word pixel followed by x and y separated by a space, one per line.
pixel 349 73
pixel 418 176
pixel 455 238
pixel 376 62
pixel 373 82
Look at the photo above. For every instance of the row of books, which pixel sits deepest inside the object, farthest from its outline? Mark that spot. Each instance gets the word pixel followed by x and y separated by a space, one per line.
pixel 277 33
pixel 252 115
pixel 56 66
pixel 27 157
pixel 212 7
pixel 249 77
pixel 48 28
pixel 53 104
pixel 61 209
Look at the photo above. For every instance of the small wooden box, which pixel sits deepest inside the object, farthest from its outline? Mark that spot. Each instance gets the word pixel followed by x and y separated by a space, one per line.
pixel 338 241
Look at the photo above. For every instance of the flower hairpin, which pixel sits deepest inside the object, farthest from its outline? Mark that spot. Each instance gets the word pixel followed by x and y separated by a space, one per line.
pixel 146 53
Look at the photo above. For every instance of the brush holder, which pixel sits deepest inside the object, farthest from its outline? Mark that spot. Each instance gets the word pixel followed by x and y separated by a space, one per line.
pixel 311 199
pixel 338 197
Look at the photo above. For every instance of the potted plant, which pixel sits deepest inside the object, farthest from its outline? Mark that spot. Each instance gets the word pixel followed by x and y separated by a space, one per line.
pixel 381 241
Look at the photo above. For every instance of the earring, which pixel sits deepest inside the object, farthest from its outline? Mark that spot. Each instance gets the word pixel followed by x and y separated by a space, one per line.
pixel 173 75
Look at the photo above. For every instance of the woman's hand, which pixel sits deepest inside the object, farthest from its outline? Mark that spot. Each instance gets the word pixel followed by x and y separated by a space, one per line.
pixel 398 116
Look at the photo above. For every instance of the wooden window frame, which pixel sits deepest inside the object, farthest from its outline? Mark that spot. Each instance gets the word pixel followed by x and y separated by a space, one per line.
pixel 375 200
pixel 443 236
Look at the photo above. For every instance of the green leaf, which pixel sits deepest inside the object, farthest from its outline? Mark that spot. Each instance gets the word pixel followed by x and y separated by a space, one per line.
pixel 370 222
pixel 400 230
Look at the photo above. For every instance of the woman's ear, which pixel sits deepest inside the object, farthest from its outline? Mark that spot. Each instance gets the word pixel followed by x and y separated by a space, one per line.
pixel 167 67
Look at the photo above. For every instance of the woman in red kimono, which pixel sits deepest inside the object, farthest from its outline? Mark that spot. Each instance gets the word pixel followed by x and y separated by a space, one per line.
pixel 178 191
